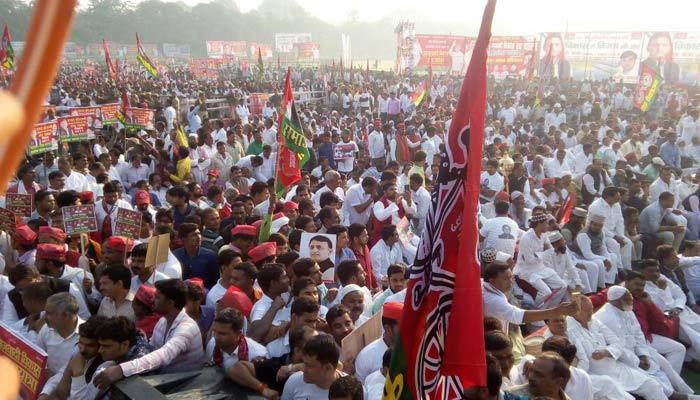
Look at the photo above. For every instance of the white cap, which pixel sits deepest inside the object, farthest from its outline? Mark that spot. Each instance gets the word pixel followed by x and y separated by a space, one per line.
pixel 657 161
pixel 616 292
pixel 557 105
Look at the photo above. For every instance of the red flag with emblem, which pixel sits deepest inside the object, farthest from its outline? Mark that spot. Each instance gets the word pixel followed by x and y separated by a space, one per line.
pixel 443 306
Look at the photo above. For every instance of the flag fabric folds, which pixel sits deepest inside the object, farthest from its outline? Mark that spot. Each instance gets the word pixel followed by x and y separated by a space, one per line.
pixel 7 53
pixel 647 87
pixel 443 306
pixel 418 94
pixel 110 67
pixel 261 66
pixel 544 76
pixel 564 212
pixel 292 152
pixel 145 61
pixel 123 105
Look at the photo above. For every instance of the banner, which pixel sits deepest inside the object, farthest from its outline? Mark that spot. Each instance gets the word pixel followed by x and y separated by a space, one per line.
pixel 8 221
pixel 44 138
pixel 176 50
pixel 79 219
pixel 238 49
pixel 128 223
pixel 45 112
pixel 256 102
pixel 215 48
pixel 109 113
pixel 94 118
pixel 73 128
pixel 509 56
pixel 139 118
pixel 444 52
pixel 29 359
pixel 307 52
pixel 265 50
pixel 284 42
pixel 648 86
pixel 19 204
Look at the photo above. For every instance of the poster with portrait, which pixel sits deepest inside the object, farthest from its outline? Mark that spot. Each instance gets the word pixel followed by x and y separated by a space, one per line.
pixel 73 128
pixel 321 248
pixel 443 52
pixel 509 56
pixel 109 113
pixel 139 118
pixel 94 118
pixel 43 138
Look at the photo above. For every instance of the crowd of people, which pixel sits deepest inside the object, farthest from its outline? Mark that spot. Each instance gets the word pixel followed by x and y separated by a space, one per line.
pixel 589 220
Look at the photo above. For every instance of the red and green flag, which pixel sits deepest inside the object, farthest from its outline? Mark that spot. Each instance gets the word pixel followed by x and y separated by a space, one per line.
pixel 123 106
pixel 648 86
pixel 292 152
pixel 418 94
pixel 110 66
pixel 443 306
pixel 7 53
pixel 145 61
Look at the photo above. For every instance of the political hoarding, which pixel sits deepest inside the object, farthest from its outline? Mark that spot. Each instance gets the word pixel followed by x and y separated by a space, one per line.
pixel 284 42
pixel 43 138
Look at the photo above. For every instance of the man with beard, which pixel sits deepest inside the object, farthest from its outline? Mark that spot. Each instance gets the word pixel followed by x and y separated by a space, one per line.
pixel 617 315
pixel 558 259
pixel 590 246
pixel 353 297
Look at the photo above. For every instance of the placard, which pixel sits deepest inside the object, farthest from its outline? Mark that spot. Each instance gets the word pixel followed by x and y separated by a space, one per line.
pixel 79 219
pixel 30 361
pixel 19 204
pixel 128 223
pixel 157 252
pixel 73 129
pixel 359 338
pixel 139 118
pixel 321 248
pixel 8 221
pixel 43 138
pixel 109 113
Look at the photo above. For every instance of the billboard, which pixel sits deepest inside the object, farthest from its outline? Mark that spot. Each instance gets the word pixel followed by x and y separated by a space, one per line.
pixel 265 51
pixel 284 42
pixel 176 50
pixel 444 52
pixel 509 55
pixel 307 52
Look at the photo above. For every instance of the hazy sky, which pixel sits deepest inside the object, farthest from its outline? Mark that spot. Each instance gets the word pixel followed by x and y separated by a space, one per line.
pixel 518 16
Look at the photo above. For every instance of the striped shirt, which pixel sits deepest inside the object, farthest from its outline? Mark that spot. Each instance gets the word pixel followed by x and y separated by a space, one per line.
pixel 177 350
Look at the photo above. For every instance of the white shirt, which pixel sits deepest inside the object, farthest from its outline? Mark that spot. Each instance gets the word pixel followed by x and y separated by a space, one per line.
pixel 58 348
pixel 556 169
pixel 155 277
pixel 267 169
pixel 296 389
pixel 659 186
pixel 255 350
pixel 317 196
pixel 77 181
pixel 369 359
pixel 215 293
pixel 501 234
pixel 355 196
pixel 382 257
pixel 530 252
pixel 382 213
pixel 614 222
pixel 279 346
pixel 492 182
pixel 496 305
pixel 101 214
pixel 243 113
pixel 563 265
pixel 376 145
pixel 169 115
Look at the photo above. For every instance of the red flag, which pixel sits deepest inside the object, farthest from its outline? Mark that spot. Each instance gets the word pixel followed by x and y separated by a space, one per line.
pixel 532 64
pixel 110 67
pixel 333 71
pixel 443 306
pixel 292 152
pixel 544 76
pixel 564 212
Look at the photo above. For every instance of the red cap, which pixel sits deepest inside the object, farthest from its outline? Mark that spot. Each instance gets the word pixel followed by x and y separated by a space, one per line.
pixel 49 251
pixel 548 181
pixel 502 195
pixel 146 294
pixel 278 215
pixel 142 197
pixel 236 299
pixel 86 197
pixel 49 233
pixel 119 243
pixel 392 310
pixel 630 155
pixel 262 251
pixel 197 281
pixel 244 230
pixel 257 224
pixel 25 235
pixel 290 205
pixel 213 172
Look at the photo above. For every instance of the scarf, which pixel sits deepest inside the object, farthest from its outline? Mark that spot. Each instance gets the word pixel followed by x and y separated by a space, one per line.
pixel 403 154
pixel 242 352
pixel 106 230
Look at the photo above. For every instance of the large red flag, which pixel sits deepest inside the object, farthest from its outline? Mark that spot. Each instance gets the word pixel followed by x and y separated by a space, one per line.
pixel 443 306
pixel 110 67
pixel 564 212
pixel 292 152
